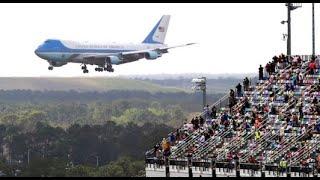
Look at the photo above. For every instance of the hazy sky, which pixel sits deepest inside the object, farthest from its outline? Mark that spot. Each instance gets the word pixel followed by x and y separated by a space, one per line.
pixel 232 38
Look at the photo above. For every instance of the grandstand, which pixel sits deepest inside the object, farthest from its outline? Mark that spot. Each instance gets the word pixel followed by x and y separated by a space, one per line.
pixel 272 130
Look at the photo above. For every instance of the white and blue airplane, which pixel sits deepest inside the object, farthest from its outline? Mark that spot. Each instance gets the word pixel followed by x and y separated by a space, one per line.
pixel 60 52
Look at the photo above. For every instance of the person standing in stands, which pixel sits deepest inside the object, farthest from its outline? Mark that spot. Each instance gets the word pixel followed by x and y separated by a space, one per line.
pixel 312 66
pixel 165 147
pixel 260 72
pixel 239 89
pixel 268 68
pixel 206 112
pixel 246 84
pixel 172 139
pixel 224 118
pixel 213 112
pixel 201 120
pixel 315 100
pixel 257 135
pixel 283 165
pixel 294 79
pixel 231 99
pixel 193 122
pixel 196 123
pixel 231 93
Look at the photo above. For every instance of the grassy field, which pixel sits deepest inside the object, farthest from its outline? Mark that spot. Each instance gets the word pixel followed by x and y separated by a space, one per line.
pixel 81 84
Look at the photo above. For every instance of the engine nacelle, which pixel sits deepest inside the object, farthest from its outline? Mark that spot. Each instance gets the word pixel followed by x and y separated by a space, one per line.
pixel 57 63
pixel 114 59
pixel 151 55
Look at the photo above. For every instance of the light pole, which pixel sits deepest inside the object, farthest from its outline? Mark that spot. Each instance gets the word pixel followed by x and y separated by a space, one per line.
pixel 291 6
pixel 28 156
pixel 313 33
pixel 200 84
pixel 97 161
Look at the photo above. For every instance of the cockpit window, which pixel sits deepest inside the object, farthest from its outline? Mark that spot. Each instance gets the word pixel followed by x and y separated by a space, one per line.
pixel 46 41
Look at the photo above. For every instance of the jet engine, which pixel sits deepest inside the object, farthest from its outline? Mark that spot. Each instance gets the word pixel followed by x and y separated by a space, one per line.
pixel 151 55
pixel 114 59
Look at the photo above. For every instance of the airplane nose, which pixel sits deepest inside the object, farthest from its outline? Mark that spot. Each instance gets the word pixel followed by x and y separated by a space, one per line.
pixel 36 52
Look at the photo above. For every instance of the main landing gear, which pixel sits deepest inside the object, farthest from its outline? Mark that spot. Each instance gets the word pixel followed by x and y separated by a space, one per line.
pixel 99 69
pixel 84 68
pixel 50 68
pixel 105 68
pixel 108 68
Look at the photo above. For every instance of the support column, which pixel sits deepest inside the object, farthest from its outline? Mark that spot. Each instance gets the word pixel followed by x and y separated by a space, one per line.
pixel 213 166
pixel 237 168
pixel 189 164
pixel 166 163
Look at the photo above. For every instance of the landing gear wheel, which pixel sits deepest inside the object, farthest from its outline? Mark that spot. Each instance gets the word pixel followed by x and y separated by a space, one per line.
pixel 108 68
pixel 85 71
pixel 50 68
pixel 98 69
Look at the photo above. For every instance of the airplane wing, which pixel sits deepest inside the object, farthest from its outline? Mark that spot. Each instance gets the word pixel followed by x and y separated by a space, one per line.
pixel 134 55
pixel 161 50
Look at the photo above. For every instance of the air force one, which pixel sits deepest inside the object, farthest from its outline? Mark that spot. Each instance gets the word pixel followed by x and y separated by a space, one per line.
pixel 60 52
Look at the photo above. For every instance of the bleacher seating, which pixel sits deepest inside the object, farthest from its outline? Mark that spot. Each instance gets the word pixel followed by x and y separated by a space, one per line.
pixel 275 120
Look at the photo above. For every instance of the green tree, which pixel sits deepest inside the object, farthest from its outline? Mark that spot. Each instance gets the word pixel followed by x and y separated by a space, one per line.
pixel 47 167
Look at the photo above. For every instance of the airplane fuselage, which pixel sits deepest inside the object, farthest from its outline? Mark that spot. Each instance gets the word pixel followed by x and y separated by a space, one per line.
pixel 59 52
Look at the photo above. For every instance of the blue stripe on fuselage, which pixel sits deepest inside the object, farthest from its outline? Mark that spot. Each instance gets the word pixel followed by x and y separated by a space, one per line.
pixel 57 46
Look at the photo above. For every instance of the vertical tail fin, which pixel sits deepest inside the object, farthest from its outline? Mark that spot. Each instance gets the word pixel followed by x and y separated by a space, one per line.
pixel 158 33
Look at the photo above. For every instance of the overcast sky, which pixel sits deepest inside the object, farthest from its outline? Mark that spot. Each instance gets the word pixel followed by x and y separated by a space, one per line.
pixel 232 38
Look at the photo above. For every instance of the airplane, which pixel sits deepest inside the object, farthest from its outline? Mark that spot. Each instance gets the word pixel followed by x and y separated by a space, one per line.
pixel 61 52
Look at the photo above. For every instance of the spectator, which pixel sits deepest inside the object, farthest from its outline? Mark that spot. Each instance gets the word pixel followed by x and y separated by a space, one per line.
pixel 172 139
pixel 260 72
pixel 283 165
pixel 232 93
pixel 165 147
pixel 315 100
pixel 196 123
pixel 301 113
pixel 257 135
pixel 193 122
pixel 252 160
pixel 268 68
pixel 294 79
pixel 318 162
pixel 224 117
pixel 273 110
pixel 206 112
pixel 246 84
pixel 156 148
pixel 239 89
pixel 231 99
pixel 201 120
pixel 202 139
pixel 312 66
pixel 213 112
pixel 317 127
pixel 206 136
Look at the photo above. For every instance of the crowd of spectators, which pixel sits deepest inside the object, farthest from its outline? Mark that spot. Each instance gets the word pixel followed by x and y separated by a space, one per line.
pixel 277 118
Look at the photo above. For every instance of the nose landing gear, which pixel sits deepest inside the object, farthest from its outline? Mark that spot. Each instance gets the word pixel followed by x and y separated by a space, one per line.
pixel 84 68
pixel 50 68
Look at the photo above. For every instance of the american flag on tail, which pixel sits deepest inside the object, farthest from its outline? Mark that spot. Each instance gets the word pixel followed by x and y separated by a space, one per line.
pixel 161 29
